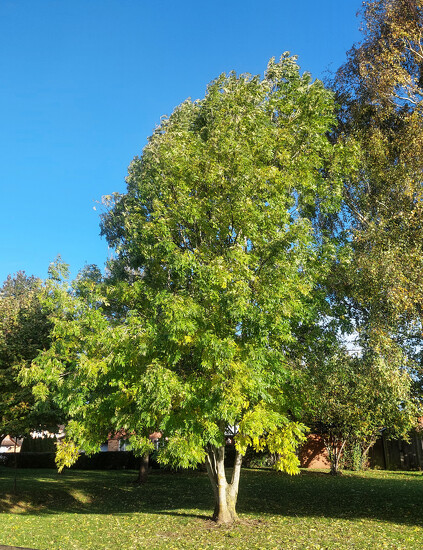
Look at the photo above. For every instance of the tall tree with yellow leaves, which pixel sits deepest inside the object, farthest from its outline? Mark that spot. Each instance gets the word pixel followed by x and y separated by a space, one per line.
pixel 380 90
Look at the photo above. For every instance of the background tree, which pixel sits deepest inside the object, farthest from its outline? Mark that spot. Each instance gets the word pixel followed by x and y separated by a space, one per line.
pixel 24 332
pixel 86 371
pixel 380 90
pixel 354 397
pixel 217 261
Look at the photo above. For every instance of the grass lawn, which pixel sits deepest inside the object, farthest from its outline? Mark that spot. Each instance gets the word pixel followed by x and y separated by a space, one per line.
pixel 95 510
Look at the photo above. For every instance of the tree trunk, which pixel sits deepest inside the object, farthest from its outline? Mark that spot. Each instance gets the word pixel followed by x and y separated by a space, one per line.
pixel 365 454
pixel 15 465
pixel 143 471
pixel 225 494
pixel 335 449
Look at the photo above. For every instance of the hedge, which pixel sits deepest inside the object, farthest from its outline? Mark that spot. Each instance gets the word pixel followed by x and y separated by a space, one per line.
pixel 118 460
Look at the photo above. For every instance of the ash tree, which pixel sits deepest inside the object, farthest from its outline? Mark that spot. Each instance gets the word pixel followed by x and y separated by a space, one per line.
pixel 218 260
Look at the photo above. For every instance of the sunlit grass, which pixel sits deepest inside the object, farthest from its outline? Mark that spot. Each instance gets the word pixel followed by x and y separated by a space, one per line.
pixel 95 510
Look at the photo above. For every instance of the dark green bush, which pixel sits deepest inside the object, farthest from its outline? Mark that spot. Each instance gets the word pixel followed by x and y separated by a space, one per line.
pixel 39 445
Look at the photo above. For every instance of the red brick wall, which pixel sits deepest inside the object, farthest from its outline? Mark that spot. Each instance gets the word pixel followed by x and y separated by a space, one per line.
pixel 313 453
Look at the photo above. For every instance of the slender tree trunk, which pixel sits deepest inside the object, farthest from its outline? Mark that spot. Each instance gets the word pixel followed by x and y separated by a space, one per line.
pixel 225 494
pixel 339 451
pixel 365 454
pixel 143 471
pixel 15 465
pixel 335 452
pixel 334 460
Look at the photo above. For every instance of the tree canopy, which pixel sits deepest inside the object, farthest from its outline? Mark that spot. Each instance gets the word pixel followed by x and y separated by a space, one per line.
pixel 219 252
pixel 24 332
pixel 380 90
pixel 354 397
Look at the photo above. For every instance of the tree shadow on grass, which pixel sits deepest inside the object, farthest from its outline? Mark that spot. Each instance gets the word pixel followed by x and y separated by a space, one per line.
pixel 383 496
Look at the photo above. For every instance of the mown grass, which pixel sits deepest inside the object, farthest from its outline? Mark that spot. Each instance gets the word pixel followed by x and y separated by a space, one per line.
pixel 95 510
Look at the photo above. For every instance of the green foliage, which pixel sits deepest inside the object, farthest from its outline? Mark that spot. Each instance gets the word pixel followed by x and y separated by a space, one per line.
pixel 354 398
pixel 24 332
pixel 353 458
pixel 261 429
pixel 182 452
pixel 141 446
pixel 216 252
pixel 67 454
pixel 380 90
pixel 380 288
pixel 218 261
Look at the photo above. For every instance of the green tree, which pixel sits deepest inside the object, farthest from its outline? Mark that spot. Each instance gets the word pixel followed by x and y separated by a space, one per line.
pixel 24 332
pixel 354 397
pixel 218 259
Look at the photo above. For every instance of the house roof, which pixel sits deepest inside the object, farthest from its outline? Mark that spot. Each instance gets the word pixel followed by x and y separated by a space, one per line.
pixel 9 442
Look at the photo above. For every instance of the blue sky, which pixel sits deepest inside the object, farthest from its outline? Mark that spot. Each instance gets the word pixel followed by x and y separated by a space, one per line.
pixel 84 82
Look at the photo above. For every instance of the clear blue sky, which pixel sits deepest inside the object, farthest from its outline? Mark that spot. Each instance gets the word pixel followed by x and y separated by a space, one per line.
pixel 84 82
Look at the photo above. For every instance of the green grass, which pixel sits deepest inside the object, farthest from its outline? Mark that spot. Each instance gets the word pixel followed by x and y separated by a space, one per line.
pixel 95 510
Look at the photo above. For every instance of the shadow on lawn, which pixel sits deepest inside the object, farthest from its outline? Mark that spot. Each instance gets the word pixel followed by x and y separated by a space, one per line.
pixel 382 496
